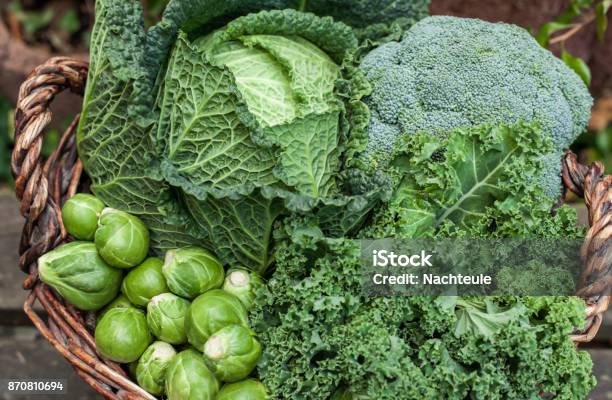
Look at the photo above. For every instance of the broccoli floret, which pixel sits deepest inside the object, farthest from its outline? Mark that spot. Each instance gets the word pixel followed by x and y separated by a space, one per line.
pixel 450 72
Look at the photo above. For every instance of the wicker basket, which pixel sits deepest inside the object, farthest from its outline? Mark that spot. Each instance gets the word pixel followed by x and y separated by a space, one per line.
pixel 42 186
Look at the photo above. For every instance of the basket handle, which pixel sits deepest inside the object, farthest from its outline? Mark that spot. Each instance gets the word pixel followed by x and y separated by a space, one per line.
pixel 596 252
pixel 39 185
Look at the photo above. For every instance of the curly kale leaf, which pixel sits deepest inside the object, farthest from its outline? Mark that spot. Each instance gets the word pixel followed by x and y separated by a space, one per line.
pixel 476 181
pixel 484 317
pixel 320 332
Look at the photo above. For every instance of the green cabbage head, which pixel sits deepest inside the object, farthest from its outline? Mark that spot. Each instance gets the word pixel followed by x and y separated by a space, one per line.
pixel 257 83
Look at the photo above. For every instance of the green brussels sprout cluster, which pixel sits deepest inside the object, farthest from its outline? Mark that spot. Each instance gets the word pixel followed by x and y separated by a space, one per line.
pixel 186 299
pixel 203 307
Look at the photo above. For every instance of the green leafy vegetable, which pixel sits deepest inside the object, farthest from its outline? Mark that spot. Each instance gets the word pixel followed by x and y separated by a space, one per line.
pixel 243 284
pixel 80 215
pixel 248 389
pixel 194 149
pixel 166 314
pixel 209 313
pixel 210 128
pixel 191 271
pixel 80 275
pixel 477 180
pixel 450 72
pixel 152 367
pixel 233 352
pixel 115 151
pixel 121 238
pixel 470 182
pixel 313 316
pixel 120 301
pixel 144 282
pixel 485 318
pixel 188 378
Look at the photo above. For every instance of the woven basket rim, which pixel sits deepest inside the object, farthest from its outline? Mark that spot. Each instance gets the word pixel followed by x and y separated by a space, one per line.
pixel 42 186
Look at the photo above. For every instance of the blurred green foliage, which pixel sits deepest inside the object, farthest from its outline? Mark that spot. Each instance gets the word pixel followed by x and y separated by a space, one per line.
pixel 596 146
pixel 66 25
pixel 578 14
pixel 31 21
pixel 70 22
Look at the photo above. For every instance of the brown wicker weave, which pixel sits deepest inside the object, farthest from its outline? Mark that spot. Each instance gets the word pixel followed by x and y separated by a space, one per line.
pixel 42 186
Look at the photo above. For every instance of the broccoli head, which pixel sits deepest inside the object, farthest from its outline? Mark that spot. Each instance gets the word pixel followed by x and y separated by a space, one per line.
pixel 450 72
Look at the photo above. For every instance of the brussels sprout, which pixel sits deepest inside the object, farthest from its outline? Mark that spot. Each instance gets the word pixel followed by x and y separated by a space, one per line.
pixel 80 275
pixel 120 302
pixel 152 366
pixel 121 238
pixel 122 334
pixel 144 282
pixel 248 389
pixel 243 284
pixel 166 317
pixel 209 313
pixel 80 215
pixel 191 271
pixel 188 378
pixel 233 352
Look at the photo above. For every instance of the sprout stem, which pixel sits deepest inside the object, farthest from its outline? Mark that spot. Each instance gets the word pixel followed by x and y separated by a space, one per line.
pixel 214 348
